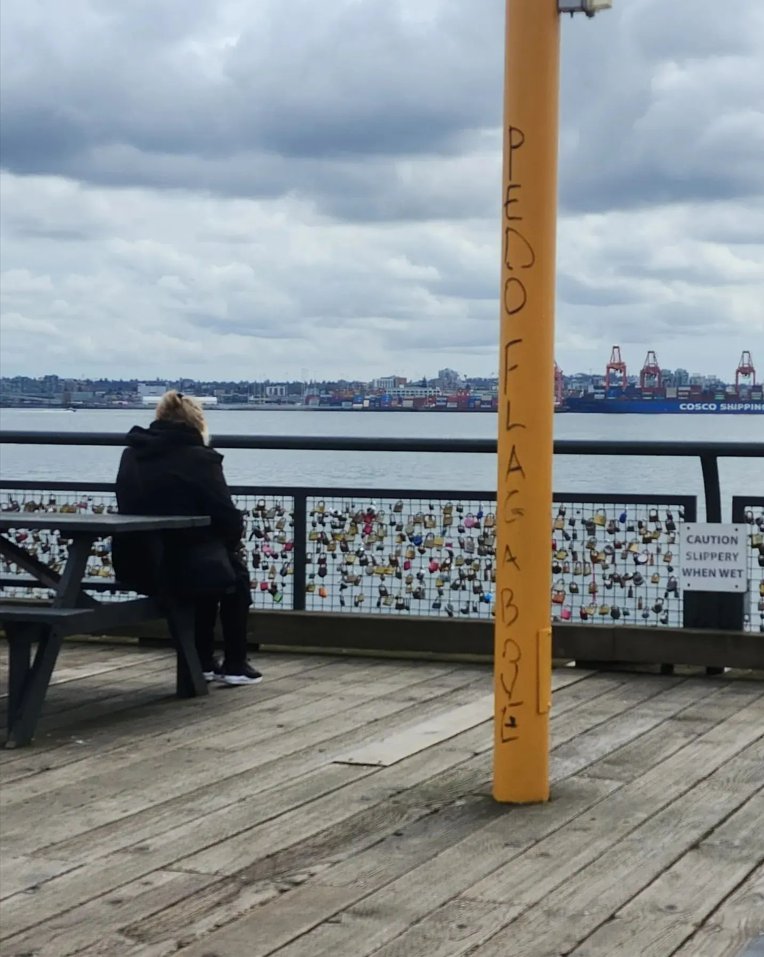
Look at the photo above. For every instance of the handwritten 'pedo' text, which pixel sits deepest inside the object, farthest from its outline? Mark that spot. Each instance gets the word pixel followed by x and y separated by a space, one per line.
pixel 518 257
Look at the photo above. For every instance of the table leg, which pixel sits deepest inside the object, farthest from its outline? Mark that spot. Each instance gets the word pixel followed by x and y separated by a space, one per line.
pixel 27 686
pixel 46 576
pixel 69 588
pixel 20 638
pixel 180 618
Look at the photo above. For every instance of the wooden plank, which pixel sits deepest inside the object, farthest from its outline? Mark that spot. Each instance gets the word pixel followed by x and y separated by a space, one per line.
pixel 664 786
pixel 121 867
pixel 318 851
pixel 418 737
pixel 285 925
pixel 665 914
pixel 587 893
pixel 28 873
pixel 66 700
pixel 73 930
pixel 412 836
pixel 85 659
pixel 120 791
pixel 23 911
pixel 551 851
pixel 122 873
pixel 202 820
pixel 599 741
pixel 435 934
pixel 163 717
pixel 223 858
pixel 389 911
pixel 356 879
pixel 175 722
pixel 678 730
pixel 408 741
pixel 736 928
pixel 586 748
pixel 87 843
pixel 282 766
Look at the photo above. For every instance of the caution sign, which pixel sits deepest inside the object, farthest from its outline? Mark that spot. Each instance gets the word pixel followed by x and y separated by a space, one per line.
pixel 713 557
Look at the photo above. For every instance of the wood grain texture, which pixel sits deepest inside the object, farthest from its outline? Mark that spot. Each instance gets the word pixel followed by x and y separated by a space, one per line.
pixel 231 830
pixel 737 923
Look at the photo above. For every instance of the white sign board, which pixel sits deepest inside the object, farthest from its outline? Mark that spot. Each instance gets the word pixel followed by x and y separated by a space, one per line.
pixel 713 557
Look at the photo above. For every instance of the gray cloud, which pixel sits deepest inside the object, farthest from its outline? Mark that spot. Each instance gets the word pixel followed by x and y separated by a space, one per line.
pixel 275 186
pixel 655 102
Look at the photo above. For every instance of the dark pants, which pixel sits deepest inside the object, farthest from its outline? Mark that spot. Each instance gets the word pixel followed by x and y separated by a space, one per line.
pixel 234 615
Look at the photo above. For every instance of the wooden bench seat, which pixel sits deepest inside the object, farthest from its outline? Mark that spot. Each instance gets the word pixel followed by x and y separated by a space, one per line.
pixel 89 584
pixel 42 613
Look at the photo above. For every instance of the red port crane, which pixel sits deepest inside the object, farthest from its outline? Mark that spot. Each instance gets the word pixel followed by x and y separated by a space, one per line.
pixel 558 386
pixel 745 371
pixel 650 376
pixel 616 365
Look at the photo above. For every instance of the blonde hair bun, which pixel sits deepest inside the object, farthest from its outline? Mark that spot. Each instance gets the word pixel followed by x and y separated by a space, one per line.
pixel 174 406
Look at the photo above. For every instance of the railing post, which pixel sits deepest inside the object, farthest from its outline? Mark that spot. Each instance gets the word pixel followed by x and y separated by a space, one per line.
pixel 300 532
pixel 713 610
pixel 523 638
pixel 710 466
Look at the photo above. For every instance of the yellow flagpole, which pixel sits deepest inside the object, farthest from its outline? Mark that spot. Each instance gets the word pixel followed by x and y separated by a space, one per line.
pixel 523 653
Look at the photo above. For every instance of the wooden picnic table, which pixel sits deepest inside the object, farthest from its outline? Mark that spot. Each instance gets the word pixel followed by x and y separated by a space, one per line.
pixel 73 611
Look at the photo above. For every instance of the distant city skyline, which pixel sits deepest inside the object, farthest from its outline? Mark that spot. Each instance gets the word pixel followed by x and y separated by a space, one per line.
pixel 451 377
pixel 725 373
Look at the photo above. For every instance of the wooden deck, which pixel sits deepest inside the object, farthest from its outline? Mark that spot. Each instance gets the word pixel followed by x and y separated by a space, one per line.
pixel 343 808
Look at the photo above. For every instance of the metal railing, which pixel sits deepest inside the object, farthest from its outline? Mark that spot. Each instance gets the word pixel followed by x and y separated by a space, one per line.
pixel 613 556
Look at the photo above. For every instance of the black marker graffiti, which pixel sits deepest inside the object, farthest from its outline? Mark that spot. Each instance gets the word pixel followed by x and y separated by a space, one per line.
pixel 519 256
pixel 510 672
pixel 509 610
pixel 513 237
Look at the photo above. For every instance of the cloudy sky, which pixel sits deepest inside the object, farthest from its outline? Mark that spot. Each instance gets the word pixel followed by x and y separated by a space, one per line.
pixel 292 189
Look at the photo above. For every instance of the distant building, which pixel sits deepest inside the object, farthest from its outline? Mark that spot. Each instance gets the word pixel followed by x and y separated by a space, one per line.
pixel 414 392
pixel 448 379
pixel 205 400
pixel 151 389
pixel 388 383
pixel 277 391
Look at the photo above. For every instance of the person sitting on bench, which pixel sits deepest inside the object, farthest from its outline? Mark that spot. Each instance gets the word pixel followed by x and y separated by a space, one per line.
pixel 169 469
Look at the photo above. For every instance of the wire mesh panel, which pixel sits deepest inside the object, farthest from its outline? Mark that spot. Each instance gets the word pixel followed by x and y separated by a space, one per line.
pixel 751 512
pixel 50 547
pixel 613 560
pixel 424 555
pixel 268 547
pixel 616 561
pixel 267 543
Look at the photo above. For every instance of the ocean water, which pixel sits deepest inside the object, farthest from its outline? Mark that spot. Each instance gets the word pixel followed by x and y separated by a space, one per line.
pixel 614 474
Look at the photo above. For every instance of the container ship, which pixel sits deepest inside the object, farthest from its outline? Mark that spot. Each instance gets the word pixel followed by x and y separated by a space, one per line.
pixel 652 395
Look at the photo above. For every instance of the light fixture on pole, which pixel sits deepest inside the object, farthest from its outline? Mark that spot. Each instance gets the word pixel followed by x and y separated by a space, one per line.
pixel 589 7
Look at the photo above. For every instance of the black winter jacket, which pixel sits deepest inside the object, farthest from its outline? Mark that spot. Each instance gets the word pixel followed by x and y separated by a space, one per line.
pixel 168 470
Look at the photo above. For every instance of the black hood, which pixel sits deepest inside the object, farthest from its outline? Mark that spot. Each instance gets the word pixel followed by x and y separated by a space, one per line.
pixel 160 437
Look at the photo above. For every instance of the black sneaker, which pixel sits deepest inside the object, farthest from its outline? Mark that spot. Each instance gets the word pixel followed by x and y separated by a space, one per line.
pixel 211 670
pixel 246 675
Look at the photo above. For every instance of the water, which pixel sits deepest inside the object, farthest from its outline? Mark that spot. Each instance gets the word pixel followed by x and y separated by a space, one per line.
pixel 615 474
